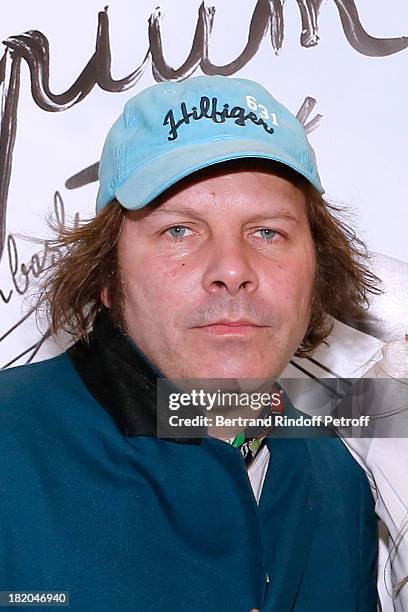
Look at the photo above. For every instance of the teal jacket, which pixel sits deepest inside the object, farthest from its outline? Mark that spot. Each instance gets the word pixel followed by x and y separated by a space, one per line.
pixel 129 522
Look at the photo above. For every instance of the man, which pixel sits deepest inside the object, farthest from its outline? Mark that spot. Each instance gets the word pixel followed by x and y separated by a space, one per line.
pixel 212 256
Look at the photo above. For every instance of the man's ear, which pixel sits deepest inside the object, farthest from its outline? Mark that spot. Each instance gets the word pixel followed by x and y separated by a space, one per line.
pixel 105 299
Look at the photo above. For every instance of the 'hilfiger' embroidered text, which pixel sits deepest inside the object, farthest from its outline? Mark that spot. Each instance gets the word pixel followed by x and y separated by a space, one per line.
pixel 208 110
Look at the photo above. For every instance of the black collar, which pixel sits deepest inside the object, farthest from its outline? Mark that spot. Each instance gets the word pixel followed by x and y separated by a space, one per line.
pixel 120 378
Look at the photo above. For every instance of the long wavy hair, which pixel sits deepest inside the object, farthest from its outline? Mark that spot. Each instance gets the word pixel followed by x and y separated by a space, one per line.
pixel 71 290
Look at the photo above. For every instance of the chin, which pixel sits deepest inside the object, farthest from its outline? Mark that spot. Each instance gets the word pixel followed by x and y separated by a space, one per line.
pixel 239 370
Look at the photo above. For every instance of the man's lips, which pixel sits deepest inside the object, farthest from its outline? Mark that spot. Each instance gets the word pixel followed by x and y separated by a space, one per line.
pixel 229 326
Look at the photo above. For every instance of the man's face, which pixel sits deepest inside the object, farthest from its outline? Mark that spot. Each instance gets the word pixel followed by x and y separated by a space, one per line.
pixel 217 281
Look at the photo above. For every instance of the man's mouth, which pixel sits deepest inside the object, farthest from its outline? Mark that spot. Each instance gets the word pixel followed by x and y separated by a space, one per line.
pixel 231 327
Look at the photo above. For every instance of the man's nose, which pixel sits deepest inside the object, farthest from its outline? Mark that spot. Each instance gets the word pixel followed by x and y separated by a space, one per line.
pixel 229 268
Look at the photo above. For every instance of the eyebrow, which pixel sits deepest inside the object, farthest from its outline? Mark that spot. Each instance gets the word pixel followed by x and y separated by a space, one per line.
pixel 162 211
pixel 277 214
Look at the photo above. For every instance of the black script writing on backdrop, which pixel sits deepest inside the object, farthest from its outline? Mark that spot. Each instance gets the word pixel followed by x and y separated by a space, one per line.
pixel 24 274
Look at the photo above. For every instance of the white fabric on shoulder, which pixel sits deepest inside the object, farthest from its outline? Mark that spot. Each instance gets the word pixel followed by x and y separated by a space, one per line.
pixel 385 461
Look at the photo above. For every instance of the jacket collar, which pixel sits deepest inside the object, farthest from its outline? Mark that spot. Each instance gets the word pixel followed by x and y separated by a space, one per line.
pixel 120 378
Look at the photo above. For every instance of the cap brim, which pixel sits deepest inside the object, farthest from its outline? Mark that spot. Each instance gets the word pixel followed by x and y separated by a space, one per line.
pixel 159 173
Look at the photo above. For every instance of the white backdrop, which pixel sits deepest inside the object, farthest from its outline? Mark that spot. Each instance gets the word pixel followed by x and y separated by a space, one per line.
pixel 351 59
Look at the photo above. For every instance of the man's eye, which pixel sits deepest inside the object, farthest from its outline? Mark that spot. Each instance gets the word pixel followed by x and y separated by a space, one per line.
pixel 177 231
pixel 266 233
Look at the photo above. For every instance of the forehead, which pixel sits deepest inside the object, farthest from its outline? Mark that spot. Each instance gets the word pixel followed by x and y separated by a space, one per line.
pixel 253 185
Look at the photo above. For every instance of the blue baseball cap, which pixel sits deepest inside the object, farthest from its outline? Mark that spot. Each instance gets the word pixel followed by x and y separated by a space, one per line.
pixel 172 129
